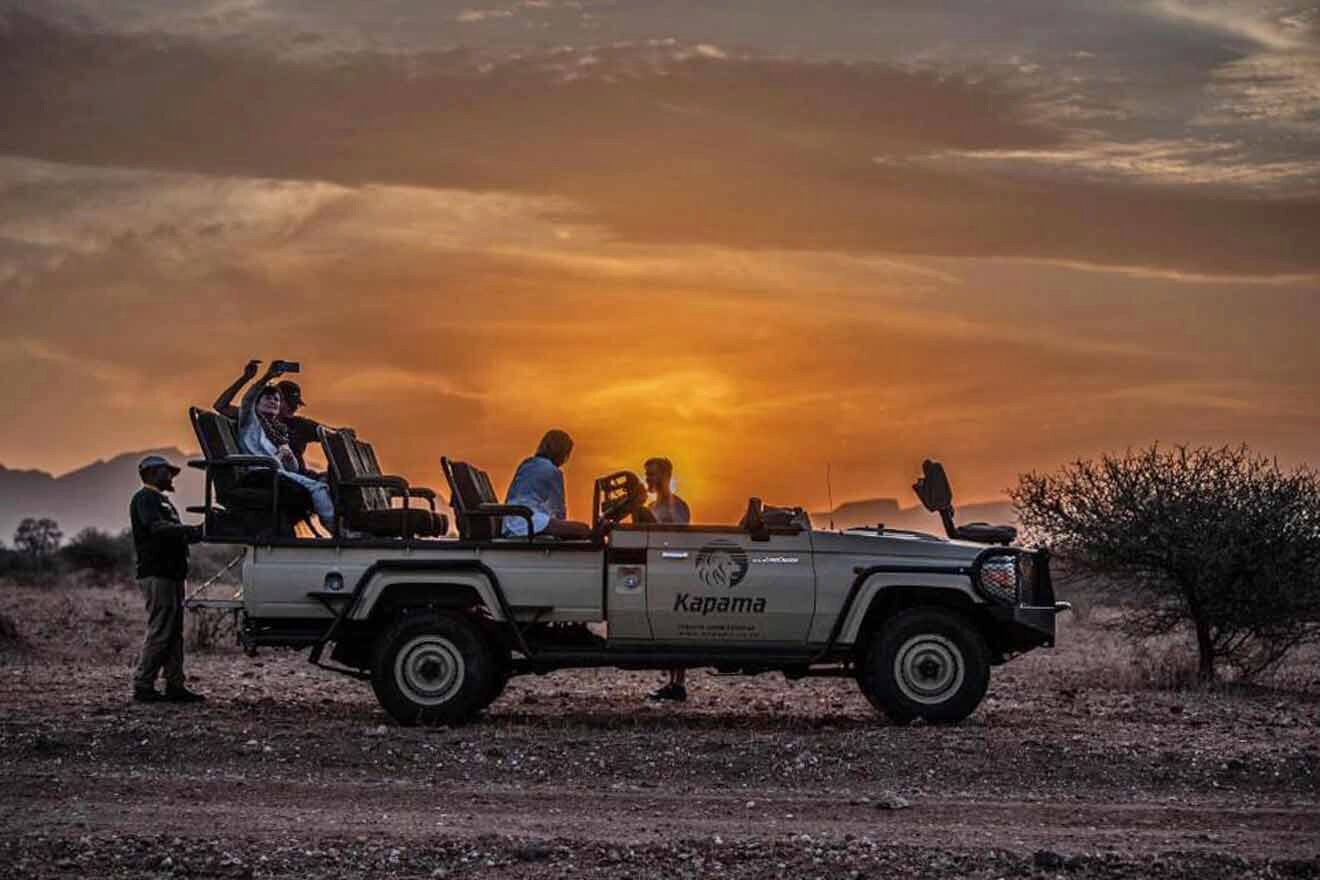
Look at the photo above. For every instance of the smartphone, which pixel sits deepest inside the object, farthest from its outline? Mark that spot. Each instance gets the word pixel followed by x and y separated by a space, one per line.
pixel 288 366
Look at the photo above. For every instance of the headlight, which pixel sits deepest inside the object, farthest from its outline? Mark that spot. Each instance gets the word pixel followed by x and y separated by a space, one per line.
pixel 999 578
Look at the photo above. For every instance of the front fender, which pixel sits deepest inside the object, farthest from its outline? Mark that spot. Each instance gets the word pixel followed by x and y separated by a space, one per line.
pixel 947 588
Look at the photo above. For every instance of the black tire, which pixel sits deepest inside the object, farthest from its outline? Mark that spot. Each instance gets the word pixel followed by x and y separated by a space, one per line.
pixel 431 668
pixel 929 663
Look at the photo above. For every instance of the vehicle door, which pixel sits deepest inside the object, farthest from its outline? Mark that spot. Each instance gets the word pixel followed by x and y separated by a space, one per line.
pixel 719 584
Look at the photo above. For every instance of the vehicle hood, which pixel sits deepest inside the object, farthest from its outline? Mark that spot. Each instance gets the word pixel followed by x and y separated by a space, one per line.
pixel 915 547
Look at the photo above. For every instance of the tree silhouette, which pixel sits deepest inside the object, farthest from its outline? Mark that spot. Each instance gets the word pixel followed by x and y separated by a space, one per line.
pixel 38 538
pixel 1220 541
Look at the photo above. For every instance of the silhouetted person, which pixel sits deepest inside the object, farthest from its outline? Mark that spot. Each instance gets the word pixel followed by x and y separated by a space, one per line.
pixel 160 540
pixel 539 484
pixel 667 508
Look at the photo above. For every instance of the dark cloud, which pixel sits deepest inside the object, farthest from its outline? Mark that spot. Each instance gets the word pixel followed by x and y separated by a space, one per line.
pixel 658 141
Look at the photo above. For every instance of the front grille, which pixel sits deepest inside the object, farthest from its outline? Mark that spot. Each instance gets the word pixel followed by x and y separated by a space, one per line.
pixel 999 578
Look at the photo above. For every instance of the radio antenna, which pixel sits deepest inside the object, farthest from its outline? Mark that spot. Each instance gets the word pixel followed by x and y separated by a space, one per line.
pixel 829 492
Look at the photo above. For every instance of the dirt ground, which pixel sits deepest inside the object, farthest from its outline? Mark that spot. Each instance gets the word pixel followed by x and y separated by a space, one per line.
pixel 1072 767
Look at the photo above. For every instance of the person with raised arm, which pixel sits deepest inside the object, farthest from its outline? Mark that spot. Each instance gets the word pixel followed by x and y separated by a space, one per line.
pixel 261 431
pixel 300 430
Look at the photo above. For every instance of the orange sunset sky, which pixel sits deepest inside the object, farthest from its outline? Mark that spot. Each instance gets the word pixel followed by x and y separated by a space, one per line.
pixel 756 236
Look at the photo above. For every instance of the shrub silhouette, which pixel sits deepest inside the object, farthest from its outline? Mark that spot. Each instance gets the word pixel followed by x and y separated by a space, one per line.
pixel 100 552
pixel 1216 539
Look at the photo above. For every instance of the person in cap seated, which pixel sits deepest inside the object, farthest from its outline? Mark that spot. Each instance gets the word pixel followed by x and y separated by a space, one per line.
pixel 538 484
pixel 301 431
pixel 261 431
pixel 160 545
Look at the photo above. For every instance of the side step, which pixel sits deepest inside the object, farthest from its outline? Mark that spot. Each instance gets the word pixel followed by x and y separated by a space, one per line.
pixel 549 660
pixel 221 604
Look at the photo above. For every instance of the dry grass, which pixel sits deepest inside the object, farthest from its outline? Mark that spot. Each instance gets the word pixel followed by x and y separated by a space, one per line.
pixel 93 623
pixel 75 621
pixel 1093 647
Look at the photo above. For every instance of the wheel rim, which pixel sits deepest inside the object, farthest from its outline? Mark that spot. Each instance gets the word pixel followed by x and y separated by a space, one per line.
pixel 929 669
pixel 429 670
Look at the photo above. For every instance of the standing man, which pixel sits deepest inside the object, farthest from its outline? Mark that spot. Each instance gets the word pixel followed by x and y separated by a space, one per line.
pixel 667 508
pixel 161 542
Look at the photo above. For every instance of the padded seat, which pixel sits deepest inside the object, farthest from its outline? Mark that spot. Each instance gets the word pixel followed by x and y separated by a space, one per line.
pixel 984 533
pixel 477 511
pixel 364 496
pixel 292 496
pixel 937 496
pixel 421 522
pixel 245 496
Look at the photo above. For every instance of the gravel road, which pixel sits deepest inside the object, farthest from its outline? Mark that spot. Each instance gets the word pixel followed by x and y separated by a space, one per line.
pixel 292 772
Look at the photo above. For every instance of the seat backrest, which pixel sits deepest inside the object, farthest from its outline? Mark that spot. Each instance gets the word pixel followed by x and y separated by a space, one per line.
pixel 366 455
pixel 369 460
pixel 937 495
pixel 218 439
pixel 364 465
pixel 933 488
pixel 469 488
pixel 488 495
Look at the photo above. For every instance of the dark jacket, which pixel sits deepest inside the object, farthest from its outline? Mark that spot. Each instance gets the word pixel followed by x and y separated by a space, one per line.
pixel 302 433
pixel 160 539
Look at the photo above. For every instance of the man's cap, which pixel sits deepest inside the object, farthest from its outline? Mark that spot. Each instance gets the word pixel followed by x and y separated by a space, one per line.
pixel 155 461
pixel 291 392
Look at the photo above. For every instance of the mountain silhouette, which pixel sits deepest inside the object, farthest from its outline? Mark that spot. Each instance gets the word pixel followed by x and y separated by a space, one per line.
pixel 96 495
pixel 871 511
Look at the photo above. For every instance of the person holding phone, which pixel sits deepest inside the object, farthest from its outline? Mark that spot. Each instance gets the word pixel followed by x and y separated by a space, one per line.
pixel 262 431
pixel 300 431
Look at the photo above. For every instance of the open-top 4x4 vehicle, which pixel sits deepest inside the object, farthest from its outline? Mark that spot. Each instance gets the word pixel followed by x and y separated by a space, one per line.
pixel 438 625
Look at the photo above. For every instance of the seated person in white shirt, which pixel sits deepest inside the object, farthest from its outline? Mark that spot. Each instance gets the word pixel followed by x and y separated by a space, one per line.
pixel 538 484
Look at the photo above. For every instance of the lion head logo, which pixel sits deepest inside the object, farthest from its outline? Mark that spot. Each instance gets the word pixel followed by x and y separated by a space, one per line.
pixel 722 564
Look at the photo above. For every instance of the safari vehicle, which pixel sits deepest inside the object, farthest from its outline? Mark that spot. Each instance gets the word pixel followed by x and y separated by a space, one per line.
pixel 438 625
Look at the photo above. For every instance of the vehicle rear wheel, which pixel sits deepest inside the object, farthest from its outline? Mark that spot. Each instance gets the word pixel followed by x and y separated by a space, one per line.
pixel 432 668
pixel 928 663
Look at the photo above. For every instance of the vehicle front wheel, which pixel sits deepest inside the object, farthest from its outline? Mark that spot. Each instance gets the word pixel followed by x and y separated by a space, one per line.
pixel 928 663
pixel 432 668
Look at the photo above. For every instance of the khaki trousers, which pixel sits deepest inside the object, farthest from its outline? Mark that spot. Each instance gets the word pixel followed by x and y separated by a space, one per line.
pixel 162 649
